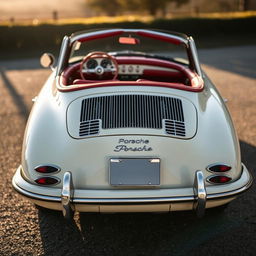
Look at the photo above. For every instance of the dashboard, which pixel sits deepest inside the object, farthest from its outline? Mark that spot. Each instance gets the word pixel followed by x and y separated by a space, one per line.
pixel 126 68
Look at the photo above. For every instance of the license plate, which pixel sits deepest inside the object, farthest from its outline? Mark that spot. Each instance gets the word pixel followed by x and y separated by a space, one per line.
pixel 135 172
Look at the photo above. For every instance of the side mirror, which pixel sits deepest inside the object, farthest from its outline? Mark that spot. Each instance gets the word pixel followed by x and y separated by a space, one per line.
pixel 47 60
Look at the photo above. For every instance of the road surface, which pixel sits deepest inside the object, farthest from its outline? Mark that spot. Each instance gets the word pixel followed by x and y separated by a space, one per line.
pixel 24 230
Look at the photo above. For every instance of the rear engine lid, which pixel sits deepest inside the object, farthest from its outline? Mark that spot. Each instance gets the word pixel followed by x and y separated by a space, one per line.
pixel 127 114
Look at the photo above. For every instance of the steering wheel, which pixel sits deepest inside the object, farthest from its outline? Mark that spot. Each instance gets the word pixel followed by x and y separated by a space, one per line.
pixel 92 65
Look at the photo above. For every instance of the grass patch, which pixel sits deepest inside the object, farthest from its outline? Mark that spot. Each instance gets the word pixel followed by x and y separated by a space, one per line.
pixel 28 40
pixel 127 18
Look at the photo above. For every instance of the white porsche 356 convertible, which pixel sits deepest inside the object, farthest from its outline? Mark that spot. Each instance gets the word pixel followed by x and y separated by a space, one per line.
pixel 128 122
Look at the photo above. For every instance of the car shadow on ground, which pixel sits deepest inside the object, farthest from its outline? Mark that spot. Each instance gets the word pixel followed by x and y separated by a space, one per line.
pixel 238 59
pixel 176 233
pixel 17 99
pixel 130 234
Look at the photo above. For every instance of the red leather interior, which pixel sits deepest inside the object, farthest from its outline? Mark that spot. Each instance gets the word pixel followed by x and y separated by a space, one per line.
pixel 179 76
pixel 71 73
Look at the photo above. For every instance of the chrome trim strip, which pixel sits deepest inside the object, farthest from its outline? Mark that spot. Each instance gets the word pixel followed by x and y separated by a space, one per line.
pixel 112 160
pixel 63 52
pixel 193 51
pixel 85 35
pixel 132 200
pixel 233 192
pixel 160 34
pixel 78 37
pixel 34 195
pixel 154 160
pixel 200 194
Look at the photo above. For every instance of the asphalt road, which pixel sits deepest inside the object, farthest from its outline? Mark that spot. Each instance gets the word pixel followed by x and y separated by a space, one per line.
pixel 24 230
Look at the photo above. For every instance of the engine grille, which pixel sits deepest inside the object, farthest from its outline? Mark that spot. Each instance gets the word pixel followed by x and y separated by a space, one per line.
pixel 175 128
pixel 91 127
pixel 132 111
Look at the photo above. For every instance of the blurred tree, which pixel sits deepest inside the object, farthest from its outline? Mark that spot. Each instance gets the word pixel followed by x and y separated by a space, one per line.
pixel 129 5
pixel 225 6
pixel 152 6
pixel 244 5
pixel 111 7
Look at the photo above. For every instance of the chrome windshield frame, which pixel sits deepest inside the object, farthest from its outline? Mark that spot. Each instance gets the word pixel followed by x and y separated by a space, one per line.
pixel 189 43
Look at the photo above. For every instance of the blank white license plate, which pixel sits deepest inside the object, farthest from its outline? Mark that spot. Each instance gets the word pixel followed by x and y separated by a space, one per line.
pixel 135 172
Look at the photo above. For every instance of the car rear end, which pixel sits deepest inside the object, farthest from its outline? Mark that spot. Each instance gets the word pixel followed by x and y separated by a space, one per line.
pixel 133 149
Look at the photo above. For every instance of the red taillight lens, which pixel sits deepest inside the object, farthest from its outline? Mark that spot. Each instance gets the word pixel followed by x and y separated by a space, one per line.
pixel 219 168
pixel 47 181
pixel 218 179
pixel 47 169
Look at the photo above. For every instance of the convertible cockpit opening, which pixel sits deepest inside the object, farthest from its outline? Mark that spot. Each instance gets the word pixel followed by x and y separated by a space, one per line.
pixel 137 57
pixel 100 68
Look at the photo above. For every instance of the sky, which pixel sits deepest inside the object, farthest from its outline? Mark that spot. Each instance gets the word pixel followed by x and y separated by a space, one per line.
pixel 33 9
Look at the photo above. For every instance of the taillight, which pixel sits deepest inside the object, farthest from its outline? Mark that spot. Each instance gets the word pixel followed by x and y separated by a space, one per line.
pixel 47 181
pixel 47 169
pixel 219 179
pixel 219 168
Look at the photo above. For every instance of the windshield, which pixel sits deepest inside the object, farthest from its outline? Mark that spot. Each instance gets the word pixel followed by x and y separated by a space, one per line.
pixel 128 44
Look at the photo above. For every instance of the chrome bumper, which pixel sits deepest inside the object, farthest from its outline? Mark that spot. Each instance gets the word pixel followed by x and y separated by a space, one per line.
pixel 67 199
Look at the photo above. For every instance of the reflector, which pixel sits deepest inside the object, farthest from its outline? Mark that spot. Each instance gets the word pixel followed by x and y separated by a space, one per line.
pixel 47 181
pixel 218 179
pixel 47 169
pixel 219 168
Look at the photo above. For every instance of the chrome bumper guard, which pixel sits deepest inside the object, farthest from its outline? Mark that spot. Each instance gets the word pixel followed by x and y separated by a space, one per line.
pixel 200 194
pixel 67 195
pixel 68 192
